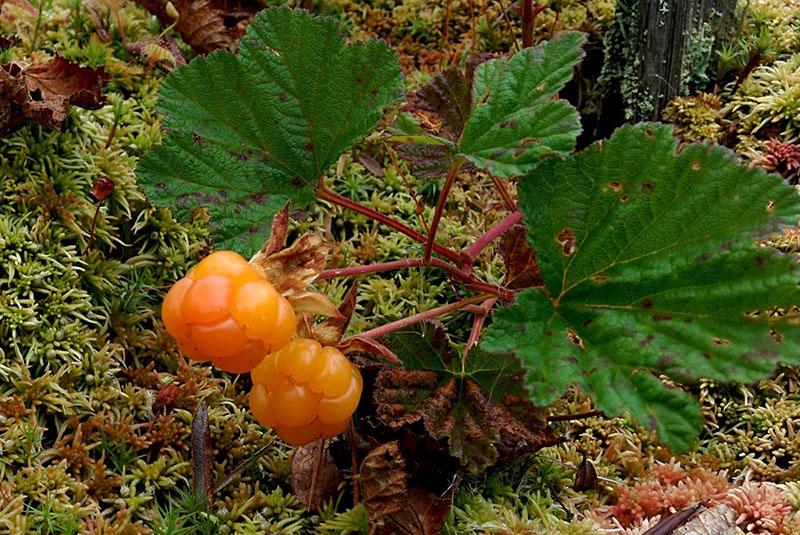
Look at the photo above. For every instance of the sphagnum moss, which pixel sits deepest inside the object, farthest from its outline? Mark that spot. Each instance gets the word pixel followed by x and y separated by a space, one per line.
pixel 90 433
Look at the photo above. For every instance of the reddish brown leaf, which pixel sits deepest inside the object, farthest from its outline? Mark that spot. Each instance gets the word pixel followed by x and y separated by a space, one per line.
pixel 482 410
pixel 293 268
pixel 102 188
pixel 393 505
pixel 371 165
pixel 522 271
pixel 314 477
pixel 207 25
pixel 43 93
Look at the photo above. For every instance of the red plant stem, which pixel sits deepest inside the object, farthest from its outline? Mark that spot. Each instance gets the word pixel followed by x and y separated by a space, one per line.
pixel 377 332
pixel 355 206
pixel 508 24
pixel 463 276
pixel 501 188
pixel 437 215
pixel 471 253
pixel 370 268
pixel 527 23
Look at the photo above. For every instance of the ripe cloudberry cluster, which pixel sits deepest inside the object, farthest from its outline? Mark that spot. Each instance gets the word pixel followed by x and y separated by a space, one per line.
pixel 226 312
pixel 305 391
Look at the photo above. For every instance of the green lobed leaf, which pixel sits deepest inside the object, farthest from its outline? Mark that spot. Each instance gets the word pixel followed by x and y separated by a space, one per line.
pixel 479 406
pixel 250 132
pixel 650 265
pixel 515 120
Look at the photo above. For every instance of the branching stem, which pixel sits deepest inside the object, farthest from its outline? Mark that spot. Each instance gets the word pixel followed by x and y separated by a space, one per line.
pixel 344 202
pixel 471 253
pixel 377 332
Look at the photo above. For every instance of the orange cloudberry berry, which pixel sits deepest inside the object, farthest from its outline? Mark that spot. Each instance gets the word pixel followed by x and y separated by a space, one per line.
pixel 224 311
pixel 305 391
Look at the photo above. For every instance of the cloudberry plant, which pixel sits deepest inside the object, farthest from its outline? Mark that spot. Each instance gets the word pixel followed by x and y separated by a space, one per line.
pixel 224 311
pixel 305 391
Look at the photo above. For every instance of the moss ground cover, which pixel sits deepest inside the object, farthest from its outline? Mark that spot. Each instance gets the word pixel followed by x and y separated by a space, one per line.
pixel 97 401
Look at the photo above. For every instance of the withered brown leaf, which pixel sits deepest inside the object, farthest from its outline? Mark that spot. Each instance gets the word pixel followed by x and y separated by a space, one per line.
pixel 207 25
pixel 522 271
pixel 393 504
pixel 44 93
pixel 482 410
pixel 311 488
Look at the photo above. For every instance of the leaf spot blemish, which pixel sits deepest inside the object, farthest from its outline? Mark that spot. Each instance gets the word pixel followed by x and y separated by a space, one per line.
pixel 587 323
pixel 703 258
pixel 566 239
pixel 661 317
pixel 623 199
pixel 720 341
pixel 647 341
pixel 161 186
pixel 615 186
pixel 647 303
pixel 599 278
pixel 253 229
pixel 283 97
pixel 696 165
pixel 771 206
pixel 508 123
pixel 649 132
pixel 309 147
pixel 647 187
pixel 574 339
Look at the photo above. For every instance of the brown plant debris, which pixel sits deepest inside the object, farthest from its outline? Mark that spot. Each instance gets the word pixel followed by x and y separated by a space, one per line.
pixel 44 93
pixel 393 504
pixel 206 25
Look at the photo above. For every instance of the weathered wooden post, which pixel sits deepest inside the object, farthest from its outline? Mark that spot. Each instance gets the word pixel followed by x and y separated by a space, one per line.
pixel 659 49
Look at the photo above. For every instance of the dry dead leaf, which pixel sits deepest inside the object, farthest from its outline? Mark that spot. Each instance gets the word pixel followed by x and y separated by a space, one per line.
pixel 292 269
pixel 522 271
pixel 305 462
pixel 206 25
pixel 44 93
pixel 393 505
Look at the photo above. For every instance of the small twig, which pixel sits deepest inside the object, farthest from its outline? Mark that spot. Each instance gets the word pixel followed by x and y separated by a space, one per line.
pixel 576 416
pixel 508 24
pixel 471 253
pixel 335 198
pixel 377 332
pixel 437 215
pixel 501 188
pixel 112 133
pixel 225 481
pixel 354 459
